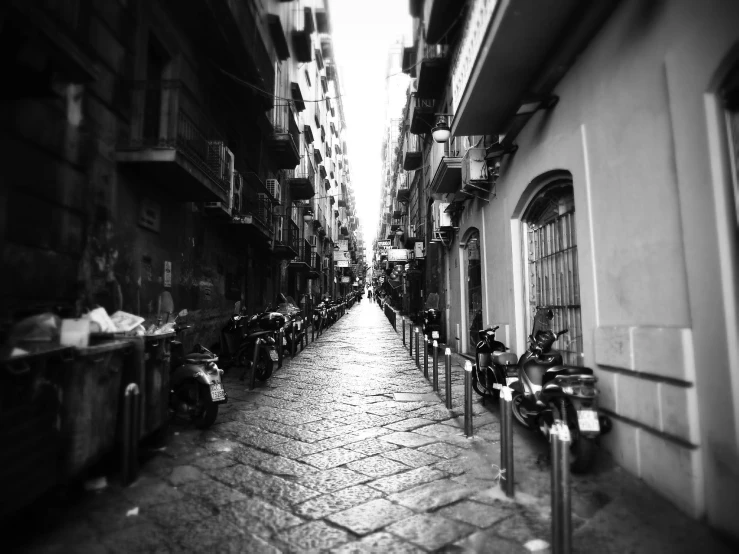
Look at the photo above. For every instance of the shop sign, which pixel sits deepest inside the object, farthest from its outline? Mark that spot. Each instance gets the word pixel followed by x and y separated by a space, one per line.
pixel 346 280
pixel 343 244
pixel 342 263
pixel 419 250
pixel 397 255
pixel 383 243
pixel 340 256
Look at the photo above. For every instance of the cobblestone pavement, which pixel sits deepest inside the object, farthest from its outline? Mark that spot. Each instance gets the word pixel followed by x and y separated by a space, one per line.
pixel 348 449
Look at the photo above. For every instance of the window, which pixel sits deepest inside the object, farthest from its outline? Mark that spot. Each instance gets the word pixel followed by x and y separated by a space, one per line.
pixel 551 264
pixel 307 78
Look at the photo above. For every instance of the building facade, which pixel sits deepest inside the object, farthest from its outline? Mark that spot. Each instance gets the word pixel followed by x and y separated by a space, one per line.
pixel 592 168
pixel 172 156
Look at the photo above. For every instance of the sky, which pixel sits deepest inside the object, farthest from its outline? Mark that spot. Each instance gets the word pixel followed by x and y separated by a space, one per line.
pixel 362 35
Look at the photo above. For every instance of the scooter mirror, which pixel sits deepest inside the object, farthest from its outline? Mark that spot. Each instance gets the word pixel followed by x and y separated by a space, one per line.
pixel 182 313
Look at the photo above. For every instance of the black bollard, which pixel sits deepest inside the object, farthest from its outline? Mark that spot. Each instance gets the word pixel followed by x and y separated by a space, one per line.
pixel 435 352
pixel 418 360
pixel 448 377
pixel 468 398
pixel 253 379
pixel 506 442
pixel 131 432
pixel 561 508
pixel 312 332
pixel 410 339
pixel 402 321
pixel 280 352
pixel 426 356
pixel 293 336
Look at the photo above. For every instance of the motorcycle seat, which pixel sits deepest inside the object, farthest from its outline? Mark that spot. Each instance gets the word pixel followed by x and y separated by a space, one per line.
pixel 505 358
pixel 200 358
pixel 570 370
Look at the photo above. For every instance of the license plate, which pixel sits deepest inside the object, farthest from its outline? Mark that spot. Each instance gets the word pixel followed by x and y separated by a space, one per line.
pixel 588 421
pixel 273 355
pixel 217 393
pixel 299 325
pixel 434 334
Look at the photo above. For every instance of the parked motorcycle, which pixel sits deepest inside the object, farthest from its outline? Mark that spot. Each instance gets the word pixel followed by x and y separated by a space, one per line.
pixel 295 327
pixel 547 390
pixel 196 389
pixel 430 318
pixel 494 367
pixel 320 313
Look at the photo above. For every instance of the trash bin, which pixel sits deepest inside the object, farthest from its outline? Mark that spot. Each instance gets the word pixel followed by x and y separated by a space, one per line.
pixel 30 391
pixel 154 383
pixel 92 388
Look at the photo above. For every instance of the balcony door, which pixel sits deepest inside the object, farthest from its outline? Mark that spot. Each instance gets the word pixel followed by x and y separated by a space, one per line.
pixel 158 65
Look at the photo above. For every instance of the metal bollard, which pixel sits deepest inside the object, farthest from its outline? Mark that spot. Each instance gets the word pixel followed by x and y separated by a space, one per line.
pixel 426 356
pixel 402 321
pixel 418 361
pixel 561 508
pixel 436 365
pixel 292 341
pixel 131 432
pixel 468 398
pixel 506 441
pixel 253 379
pixel 280 341
pixel 312 332
pixel 448 377
pixel 410 339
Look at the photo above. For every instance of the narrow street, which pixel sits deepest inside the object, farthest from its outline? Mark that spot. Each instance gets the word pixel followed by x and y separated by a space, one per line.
pixel 348 449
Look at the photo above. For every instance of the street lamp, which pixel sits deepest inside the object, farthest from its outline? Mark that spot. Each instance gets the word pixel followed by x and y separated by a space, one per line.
pixel 440 132
pixel 307 215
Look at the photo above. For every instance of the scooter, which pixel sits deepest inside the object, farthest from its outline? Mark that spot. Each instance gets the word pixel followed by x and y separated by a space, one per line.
pixel 549 391
pixel 294 326
pixel 494 367
pixel 196 389
pixel 264 328
pixel 430 318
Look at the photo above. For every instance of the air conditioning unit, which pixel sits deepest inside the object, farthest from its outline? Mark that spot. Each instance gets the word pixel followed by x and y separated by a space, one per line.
pixel 274 190
pixel 443 219
pixel 221 162
pixel 313 239
pixel 474 168
pixel 237 206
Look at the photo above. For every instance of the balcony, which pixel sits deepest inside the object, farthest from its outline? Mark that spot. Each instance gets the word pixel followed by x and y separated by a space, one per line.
pixel 315 267
pixel 432 71
pixel 409 61
pixel 175 144
pixel 283 142
pixel 421 115
pixel 403 188
pixel 399 209
pixel 277 33
pixel 412 155
pixel 446 163
pixel 300 180
pixel 302 259
pixel 308 134
pixel 322 22
pixel 287 244
pixel 297 95
pixel 322 171
pixel 302 45
pixel 317 155
pixel 255 218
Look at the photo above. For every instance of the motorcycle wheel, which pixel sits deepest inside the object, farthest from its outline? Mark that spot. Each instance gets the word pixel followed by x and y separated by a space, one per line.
pixel 265 366
pixel 206 411
pixel 479 385
pixel 583 454
pixel 516 407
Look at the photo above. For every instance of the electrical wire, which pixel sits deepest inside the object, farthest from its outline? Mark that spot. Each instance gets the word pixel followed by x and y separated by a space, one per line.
pixel 274 96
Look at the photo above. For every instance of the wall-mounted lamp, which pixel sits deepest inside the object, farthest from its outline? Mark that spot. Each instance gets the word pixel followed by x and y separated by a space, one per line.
pixel 307 215
pixel 441 132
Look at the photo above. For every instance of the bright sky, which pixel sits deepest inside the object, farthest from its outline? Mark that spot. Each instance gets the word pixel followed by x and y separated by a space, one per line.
pixel 363 33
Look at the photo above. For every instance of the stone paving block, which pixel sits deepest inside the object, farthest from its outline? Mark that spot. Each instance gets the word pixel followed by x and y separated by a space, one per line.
pixel 216 461
pixel 146 537
pixel 174 514
pixel 442 450
pixel 204 535
pixel 245 512
pixel 481 541
pixel 371 516
pixel 477 514
pixel 184 474
pixel 430 531
pixel 320 507
pixel 105 513
pixel 402 481
pixel 247 542
pixel 275 489
pixel 415 397
pixel 521 529
pixel 295 449
pixel 411 457
pixel 279 465
pixel 372 446
pixel 250 456
pixel 315 536
pixel 263 440
pixel 146 492
pixel 238 428
pixel 212 492
pixel 404 438
pixel 378 543
pixel 377 466
pixel 333 479
pixel 429 496
pixel 332 458
pixel 409 424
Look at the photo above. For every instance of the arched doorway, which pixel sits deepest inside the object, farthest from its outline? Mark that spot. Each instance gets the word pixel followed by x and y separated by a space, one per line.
pixel 551 266
pixel 473 275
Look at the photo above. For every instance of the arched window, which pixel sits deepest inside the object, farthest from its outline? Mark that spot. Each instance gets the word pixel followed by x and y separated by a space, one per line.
pixel 474 287
pixel 551 264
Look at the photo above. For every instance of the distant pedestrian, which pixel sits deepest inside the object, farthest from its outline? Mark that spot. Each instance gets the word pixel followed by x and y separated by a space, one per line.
pixel 369 294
